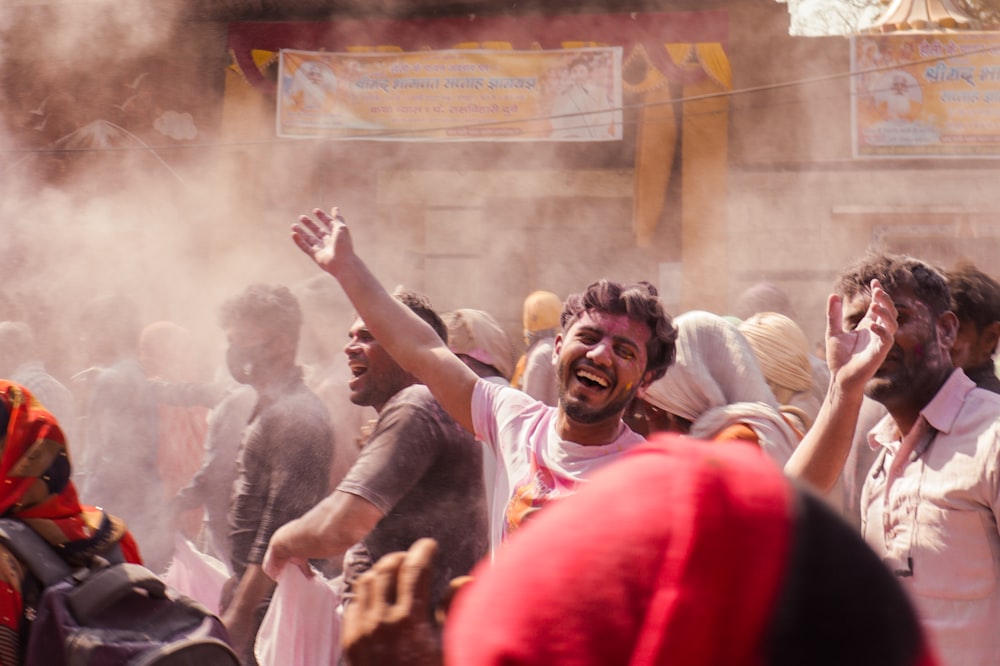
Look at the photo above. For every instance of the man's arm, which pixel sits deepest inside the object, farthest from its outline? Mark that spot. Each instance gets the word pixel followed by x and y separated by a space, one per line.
pixel 325 531
pixel 407 338
pixel 853 357
pixel 239 615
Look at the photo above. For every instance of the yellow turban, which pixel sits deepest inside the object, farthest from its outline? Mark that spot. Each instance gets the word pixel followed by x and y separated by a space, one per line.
pixel 781 348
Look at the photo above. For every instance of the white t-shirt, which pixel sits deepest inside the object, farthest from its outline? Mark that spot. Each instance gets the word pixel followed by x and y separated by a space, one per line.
pixel 535 465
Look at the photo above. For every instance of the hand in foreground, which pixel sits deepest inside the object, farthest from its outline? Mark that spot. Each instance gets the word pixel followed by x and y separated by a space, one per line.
pixel 854 356
pixel 325 239
pixel 389 620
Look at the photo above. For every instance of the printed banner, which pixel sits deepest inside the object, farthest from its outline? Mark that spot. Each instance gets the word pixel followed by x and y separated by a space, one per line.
pixel 926 95
pixel 455 95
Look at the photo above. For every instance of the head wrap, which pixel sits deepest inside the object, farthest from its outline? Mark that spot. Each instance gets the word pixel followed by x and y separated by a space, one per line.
pixel 716 382
pixel 35 483
pixel 541 311
pixel 735 569
pixel 477 334
pixel 781 349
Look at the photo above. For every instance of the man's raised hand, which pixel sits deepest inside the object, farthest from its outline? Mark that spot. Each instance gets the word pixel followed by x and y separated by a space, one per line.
pixel 325 238
pixel 855 355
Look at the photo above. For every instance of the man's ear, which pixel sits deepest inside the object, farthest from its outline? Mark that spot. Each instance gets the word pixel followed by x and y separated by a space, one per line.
pixel 947 325
pixel 556 346
pixel 991 336
pixel 647 378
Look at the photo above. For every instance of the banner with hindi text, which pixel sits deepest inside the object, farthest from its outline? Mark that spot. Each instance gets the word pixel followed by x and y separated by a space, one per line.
pixel 926 95
pixel 453 95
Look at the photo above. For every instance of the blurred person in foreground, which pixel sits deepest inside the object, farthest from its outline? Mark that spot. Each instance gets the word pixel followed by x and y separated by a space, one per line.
pixel 803 588
pixel 283 465
pixel 37 490
pixel 615 340
pixel 975 300
pixel 418 475
pixel 931 502
pixel 535 372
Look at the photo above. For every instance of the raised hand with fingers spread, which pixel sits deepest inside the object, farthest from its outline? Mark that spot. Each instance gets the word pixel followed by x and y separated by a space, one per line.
pixel 854 354
pixel 326 238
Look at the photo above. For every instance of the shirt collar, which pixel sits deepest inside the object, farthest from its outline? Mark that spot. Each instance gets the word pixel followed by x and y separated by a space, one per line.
pixel 940 412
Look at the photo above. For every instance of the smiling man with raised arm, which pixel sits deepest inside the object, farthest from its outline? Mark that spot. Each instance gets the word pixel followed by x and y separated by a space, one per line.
pixel 615 339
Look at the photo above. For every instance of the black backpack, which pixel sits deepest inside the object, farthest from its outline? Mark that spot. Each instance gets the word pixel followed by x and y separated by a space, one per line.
pixel 111 613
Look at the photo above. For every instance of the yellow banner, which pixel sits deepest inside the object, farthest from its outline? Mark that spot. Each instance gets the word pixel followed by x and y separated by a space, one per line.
pixel 932 95
pixel 455 95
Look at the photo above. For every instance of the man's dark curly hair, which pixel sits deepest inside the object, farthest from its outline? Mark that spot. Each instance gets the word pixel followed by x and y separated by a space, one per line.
pixel 272 307
pixel 897 271
pixel 639 301
pixel 421 305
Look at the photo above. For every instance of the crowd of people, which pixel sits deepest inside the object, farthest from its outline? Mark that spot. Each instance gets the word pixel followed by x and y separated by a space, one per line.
pixel 636 488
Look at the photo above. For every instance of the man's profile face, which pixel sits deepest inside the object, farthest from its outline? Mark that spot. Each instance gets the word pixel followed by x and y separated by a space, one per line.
pixel 375 376
pixel 918 355
pixel 601 365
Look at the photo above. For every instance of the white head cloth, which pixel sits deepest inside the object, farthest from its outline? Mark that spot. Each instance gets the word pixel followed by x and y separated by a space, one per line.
pixel 716 382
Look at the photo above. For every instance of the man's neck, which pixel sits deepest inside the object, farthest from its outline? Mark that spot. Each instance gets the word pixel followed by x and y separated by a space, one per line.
pixel 379 407
pixel 589 434
pixel 905 415
pixel 277 378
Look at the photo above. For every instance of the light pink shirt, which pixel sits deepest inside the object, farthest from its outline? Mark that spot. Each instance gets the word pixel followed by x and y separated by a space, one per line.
pixel 535 465
pixel 930 507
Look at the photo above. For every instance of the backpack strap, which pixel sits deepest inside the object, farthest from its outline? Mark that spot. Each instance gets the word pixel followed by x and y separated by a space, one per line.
pixel 35 552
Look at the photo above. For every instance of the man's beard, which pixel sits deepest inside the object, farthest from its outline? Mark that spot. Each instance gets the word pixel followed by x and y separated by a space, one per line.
pixel 884 388
pixel 584 413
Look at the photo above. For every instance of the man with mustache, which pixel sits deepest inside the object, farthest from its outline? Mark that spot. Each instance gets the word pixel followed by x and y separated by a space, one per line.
pixel 930 505
pixel 615 339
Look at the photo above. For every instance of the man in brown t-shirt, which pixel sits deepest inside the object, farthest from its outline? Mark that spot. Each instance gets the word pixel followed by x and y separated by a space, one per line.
pixel 418 475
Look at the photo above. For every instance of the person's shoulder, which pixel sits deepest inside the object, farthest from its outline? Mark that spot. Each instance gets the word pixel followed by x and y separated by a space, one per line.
pixel 297 407
pixel 412 402
pixel 541 348
pixel 412 396
pixel 415 407
pixel 985 400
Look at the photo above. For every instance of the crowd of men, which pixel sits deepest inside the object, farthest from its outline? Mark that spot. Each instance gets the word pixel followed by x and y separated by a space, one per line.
pixel 636 489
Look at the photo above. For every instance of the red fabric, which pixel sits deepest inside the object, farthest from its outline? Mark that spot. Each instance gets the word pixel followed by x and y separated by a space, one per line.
pixel 35 487
pixel 34 479
pixel 673 555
